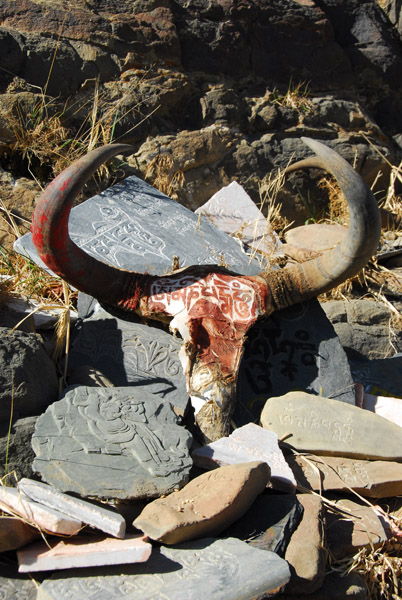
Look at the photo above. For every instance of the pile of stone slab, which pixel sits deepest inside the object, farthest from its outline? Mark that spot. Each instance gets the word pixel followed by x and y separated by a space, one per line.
pixel 240 518
pixel 130 503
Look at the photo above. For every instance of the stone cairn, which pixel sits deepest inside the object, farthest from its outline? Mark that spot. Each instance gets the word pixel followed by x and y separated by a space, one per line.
pixel 116 496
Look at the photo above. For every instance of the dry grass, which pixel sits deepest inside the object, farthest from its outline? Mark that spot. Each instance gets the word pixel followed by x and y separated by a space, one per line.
pixel 161 174
pixel 296 97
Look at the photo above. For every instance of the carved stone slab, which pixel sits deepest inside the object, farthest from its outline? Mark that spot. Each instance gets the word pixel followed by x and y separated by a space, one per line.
pixel 112 443
pixel 209 568
pixel 375 478
pixel 245 444
pixel 134 226
pixel 323 426
pixel 14 586
pixel 232 210
pixel 132 354
pixel 294 349
pixel 206 505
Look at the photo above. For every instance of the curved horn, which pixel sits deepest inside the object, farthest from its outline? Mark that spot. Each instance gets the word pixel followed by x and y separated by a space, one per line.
pixel 306 280
pixel 54 245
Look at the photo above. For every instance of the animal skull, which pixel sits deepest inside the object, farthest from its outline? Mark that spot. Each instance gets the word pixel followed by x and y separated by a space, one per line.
pixel 210 307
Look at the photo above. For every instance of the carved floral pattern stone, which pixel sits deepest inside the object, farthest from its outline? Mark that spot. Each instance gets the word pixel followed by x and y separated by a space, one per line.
pixel 112 442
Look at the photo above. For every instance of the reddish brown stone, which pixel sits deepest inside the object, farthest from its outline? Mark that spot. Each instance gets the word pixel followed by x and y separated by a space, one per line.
pixel 14 533
pixel 206 505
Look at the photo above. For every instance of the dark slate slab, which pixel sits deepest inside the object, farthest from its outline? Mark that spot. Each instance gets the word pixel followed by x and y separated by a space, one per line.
pixel 112 443
pixel 131 354
pixel 381 377
pixel 134 226
pixel 294 349
pixel 269 523
pixel 223 569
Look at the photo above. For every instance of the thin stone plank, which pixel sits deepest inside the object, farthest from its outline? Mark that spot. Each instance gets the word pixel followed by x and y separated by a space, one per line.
pixel 13 501
pixel 245 444
pixel 118 443
pixel 102 518
pixel 14 534
pixel 136 227
pixel 205 506
pixel 374 479
pixel 323 426
pixel 207 568
pixel 83 551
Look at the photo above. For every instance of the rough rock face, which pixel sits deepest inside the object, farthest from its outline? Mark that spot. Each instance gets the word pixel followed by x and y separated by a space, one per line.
pixel 222 88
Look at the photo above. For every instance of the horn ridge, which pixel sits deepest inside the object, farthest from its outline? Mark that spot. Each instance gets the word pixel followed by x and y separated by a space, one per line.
pixel 311 278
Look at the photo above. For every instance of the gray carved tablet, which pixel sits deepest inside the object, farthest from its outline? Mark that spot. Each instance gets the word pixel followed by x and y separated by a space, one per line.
pixel 132 354
pixel 112 443
pixel 208 568
pixel 134 226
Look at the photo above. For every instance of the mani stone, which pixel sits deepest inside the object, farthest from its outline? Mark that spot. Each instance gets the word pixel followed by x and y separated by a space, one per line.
pixel 205 506
pixel 207 568
pixel 305 552
pixel 14 534
pixel 380 377
pixel 358 527
pixel 83 551
pixel 233 211
pixel 12 501
pixel 327 427
pixel 374 479
pixel 112 443
pixel 14 586
pixel 134 226
pixel 102 518
pixel 131 354
pixel 294 349
pixel 269 523
pixel 245 444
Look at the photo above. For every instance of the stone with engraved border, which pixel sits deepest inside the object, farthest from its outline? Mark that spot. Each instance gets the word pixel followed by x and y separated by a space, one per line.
pixel 130 353
pixel 208 568
pixel 14 585
pixel 374 479
pixel 135 227
pixel 112 443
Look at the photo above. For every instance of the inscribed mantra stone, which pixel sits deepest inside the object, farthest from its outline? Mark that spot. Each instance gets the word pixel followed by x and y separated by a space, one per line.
pixel 131 354
pixel 295 349
pixel 134 226
pixel 208 568
pixel 112 443
pixel 328 427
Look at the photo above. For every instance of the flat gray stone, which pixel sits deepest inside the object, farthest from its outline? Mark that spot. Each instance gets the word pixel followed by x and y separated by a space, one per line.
pixel 16 454
pixel 131 354
pixel 269 523
pixel 134 226
pixel 323 426
pixel 221 569
pixel 91 514
pixel 374 479
pixel 245 444
pixel 380 377
pixel 14 586
pixel 294 349
pixel 112 443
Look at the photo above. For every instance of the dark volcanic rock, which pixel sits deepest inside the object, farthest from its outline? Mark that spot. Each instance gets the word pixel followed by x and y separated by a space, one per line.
pixel 28 380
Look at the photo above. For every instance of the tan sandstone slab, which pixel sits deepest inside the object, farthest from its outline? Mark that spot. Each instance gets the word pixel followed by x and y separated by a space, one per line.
pixel 85 551
pixel 359 526
pixel 14 534
pixel 206 505
pixel 374 479
pixel 14 501
pixel 305 552
pixel 328 427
